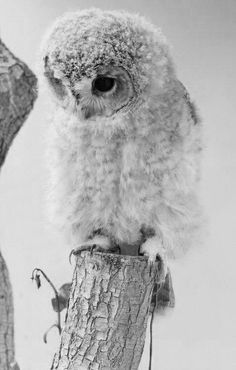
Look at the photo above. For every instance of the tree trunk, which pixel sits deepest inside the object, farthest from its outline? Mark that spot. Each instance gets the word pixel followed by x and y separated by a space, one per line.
pixel 6 318
pixel 17 95
pixel 107 315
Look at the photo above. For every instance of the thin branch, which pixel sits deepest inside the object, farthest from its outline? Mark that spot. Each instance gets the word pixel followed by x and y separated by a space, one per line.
pixel 35 277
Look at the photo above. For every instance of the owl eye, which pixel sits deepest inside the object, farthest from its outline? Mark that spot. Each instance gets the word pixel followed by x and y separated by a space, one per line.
pixel 103 84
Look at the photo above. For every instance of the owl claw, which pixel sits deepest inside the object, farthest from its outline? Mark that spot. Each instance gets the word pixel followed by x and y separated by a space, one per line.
pixel 80 249
pixel 98 244
pixel 155 252
pixel 71 252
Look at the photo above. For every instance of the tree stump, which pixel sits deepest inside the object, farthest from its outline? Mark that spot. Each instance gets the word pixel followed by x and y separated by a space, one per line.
pixel 107 315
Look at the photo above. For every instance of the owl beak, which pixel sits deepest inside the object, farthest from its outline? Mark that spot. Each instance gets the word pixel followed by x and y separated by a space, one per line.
pixel 86 112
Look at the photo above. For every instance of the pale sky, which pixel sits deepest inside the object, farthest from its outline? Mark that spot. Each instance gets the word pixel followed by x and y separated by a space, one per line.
pixel 200 334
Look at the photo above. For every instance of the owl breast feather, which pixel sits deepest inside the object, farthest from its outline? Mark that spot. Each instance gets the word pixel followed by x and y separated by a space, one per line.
pixel 107 186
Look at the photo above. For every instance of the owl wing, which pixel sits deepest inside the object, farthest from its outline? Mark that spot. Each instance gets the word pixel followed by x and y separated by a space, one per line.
pixel 191 105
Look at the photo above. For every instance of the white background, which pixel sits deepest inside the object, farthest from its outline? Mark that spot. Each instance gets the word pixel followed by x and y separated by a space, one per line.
pixel 201 332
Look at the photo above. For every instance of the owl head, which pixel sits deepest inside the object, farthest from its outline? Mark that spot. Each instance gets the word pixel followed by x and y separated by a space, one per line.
pixel 104 63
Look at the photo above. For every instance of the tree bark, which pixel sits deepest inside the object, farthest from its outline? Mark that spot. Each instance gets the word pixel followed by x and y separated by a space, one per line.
pixel 6 318
pixel 17 96
pixel 107 314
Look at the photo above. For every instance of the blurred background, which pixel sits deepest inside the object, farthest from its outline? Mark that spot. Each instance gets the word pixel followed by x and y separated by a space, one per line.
pixel 200 334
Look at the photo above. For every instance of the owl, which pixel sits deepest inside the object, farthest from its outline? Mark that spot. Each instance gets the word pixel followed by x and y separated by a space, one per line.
pixel 124 139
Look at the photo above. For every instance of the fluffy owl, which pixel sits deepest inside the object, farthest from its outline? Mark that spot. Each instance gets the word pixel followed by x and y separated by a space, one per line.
pixel 124 139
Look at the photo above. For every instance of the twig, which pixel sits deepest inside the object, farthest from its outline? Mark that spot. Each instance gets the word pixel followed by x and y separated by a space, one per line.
pixel 35 276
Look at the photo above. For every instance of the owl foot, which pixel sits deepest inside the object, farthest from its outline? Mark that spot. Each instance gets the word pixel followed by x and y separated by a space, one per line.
pixel 98 243
pixel 154 250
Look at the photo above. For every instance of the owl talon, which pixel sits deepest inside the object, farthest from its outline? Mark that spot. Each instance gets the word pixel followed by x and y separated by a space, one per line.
pixel 72 252
pixel 155 252
pixel 80 249
pixel 92 248
pixel 98 244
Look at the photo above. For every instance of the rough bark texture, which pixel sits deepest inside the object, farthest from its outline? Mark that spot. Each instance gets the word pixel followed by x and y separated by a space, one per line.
pixel 107 315
pixel 17 95
pixel 6 318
